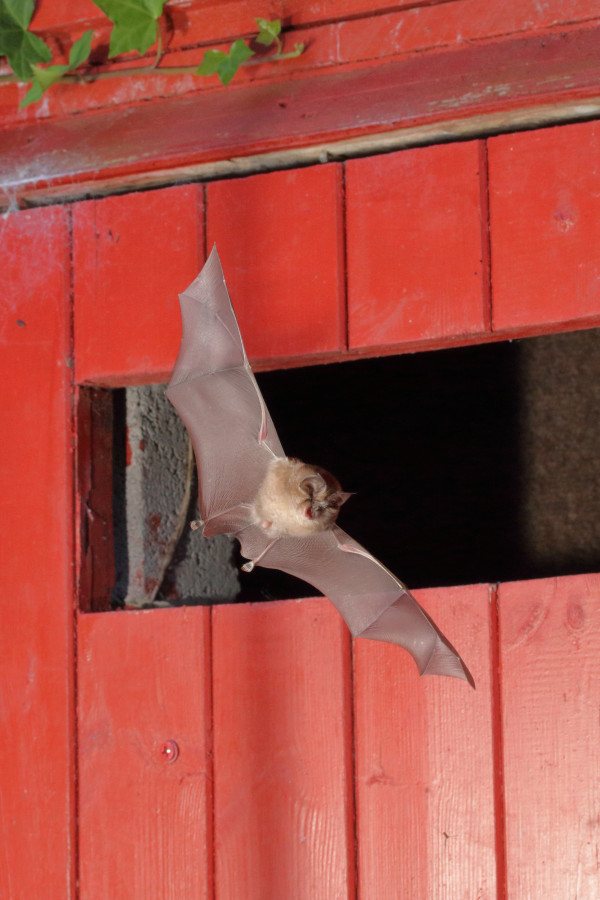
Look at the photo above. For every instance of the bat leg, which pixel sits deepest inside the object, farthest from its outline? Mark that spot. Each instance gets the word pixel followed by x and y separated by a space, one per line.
pixel 196 524
pixel 247 567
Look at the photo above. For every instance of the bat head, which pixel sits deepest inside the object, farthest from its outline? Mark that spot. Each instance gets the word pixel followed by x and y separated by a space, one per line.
pixel 323 497
pixel 297 499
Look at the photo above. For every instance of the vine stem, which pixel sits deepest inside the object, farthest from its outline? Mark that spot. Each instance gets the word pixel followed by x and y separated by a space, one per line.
pixel 154 69
pixel 159 49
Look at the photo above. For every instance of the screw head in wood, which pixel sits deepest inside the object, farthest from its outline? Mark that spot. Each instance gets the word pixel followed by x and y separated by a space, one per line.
pixel 169 751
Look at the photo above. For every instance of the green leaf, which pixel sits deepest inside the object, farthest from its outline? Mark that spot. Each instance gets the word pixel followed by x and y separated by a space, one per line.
pixel 268 31
pixel 22 48
pixel 210 62
pixel 135 23
pixel 32 96
pixel 80 50
pixel 240 51
pixel 45 78
pixel 225 65
pixel 42 80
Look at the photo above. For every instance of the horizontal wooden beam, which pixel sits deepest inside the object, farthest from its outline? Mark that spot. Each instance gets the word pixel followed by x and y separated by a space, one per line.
pixel 428 97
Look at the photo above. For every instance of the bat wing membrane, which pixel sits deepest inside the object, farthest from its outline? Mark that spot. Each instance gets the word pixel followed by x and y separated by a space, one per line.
pixel 373 603
pixel 216 395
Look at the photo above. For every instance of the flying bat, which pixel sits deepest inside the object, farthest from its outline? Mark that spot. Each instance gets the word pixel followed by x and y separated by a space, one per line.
pixel 282 511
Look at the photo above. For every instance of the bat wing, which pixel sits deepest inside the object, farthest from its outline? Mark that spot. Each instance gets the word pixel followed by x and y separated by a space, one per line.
pixel 372 601
pixel 215 393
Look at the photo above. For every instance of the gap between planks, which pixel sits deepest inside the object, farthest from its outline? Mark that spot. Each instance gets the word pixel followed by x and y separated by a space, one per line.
pixel 481 126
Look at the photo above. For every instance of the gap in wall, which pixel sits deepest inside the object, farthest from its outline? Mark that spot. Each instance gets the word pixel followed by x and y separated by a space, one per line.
pixel 471 464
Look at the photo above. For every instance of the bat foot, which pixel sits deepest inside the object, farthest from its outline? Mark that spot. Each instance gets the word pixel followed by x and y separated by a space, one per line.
pixel 247 567
pixel 196 524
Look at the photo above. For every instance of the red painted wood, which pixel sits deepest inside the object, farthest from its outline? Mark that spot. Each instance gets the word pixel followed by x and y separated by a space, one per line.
pixel 36 159
pixel 203 21
pixel 280 238
pixel 217 18
pixel 283 797
pixel 550 664
pixel 330 40
pixel 545 226
pixel 424 763
pixel 132 256
pixel 415 245
pixel 36 541
pixel 145 819
pixel 450 24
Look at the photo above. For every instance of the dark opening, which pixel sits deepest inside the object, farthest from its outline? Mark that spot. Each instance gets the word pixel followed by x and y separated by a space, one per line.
pixel 471 464
pixel 429 442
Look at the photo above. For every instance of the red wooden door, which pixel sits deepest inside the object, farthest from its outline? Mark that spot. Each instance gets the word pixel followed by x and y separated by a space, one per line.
pixel 334 769
pixel 252 745
pixel 255 750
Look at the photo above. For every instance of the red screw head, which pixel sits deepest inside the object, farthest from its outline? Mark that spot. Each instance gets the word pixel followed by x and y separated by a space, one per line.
pixel 169 751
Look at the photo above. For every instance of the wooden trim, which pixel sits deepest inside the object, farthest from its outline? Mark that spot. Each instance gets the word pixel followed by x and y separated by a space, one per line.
pixel 428 97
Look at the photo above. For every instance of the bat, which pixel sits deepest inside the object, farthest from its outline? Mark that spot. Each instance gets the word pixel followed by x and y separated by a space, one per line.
pixel 282 511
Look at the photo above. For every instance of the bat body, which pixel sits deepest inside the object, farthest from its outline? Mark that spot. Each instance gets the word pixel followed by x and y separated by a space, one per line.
pixel 282 510
pixel 296 499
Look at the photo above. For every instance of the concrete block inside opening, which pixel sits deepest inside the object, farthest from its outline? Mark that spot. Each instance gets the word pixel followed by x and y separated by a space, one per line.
pixel 159 559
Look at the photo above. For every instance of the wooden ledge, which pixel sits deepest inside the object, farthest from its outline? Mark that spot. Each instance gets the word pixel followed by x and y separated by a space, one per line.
pixel 430 96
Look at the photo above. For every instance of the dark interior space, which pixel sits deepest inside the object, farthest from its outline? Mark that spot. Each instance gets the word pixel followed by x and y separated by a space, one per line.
pixel 470 464
pixel 429 443
pixel 119 470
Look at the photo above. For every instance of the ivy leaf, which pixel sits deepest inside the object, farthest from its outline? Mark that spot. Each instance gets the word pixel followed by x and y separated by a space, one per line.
pixel 268 31
pixel 135 23
pixel 225 65
pixel 42 80
pixel 80 51
pixel 45 78
pixel 22 48
pixel 210 62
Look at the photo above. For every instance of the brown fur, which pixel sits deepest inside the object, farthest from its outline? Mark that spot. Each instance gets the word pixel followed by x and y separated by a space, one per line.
pixel 297 499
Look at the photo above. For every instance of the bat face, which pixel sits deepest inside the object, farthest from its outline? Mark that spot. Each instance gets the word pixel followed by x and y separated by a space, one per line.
pixel 296 499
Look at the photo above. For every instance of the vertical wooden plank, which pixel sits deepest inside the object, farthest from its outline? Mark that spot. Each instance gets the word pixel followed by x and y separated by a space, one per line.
pixel 280 238
pixel 545 226
pixel 132 255
pixel 36 540
pixel 415 251
pixel 550 665
pixel 425 780
pixel 144 755
pixel 283 798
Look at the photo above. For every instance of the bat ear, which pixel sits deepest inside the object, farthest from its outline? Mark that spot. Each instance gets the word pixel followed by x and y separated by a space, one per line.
pixel 312 484
pixel 342 496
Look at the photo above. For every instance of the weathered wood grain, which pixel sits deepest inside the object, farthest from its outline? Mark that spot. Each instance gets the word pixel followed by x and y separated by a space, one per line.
pixel 145 771
pixel 280 237
pixel 186 133
pixel 132 256
pixel 282 744
pixel 425 778
pixel 550 667
pixel 545 227
pixel 37 827
pixel 415 249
